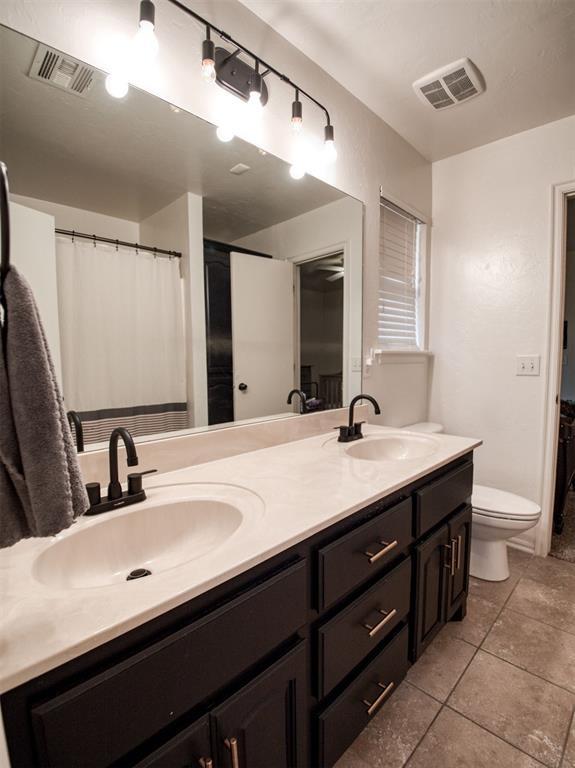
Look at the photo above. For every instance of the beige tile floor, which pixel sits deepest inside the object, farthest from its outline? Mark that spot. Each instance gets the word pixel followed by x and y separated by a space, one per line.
pixel 497 689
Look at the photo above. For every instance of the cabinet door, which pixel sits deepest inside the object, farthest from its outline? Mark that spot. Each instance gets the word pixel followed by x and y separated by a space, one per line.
pixel 431 563
pixel 264 725
pixel 189 749
pixel 460 548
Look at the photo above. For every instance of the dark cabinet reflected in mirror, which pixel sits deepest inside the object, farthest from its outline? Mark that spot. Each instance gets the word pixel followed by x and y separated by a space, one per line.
pixel 183 282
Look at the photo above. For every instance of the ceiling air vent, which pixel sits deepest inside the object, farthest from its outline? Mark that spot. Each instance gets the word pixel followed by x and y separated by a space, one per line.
pixel 450 85
pixel 61 71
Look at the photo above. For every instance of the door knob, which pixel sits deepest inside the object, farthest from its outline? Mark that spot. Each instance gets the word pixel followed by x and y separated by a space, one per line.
pixel 242 387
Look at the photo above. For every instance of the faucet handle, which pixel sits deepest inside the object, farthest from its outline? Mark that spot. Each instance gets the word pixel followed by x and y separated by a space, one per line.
pixel 135 481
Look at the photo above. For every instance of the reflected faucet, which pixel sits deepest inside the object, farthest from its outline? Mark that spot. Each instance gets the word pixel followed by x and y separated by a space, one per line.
pixel 75 421
pixel 352 430
pixel 114 487
pixel 302 398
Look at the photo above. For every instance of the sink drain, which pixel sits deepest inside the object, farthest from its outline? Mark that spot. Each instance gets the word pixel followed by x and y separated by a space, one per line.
pixel 139 573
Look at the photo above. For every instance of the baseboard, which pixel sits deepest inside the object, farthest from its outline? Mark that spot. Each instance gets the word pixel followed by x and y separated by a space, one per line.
pixel 523 543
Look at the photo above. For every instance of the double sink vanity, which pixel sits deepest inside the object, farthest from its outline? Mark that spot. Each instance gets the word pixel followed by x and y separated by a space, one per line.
pixel 286 592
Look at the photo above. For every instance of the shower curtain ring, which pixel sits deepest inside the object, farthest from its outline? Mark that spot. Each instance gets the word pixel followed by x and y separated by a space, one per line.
pixel 117 244
pixel 94 240
pixel 73 235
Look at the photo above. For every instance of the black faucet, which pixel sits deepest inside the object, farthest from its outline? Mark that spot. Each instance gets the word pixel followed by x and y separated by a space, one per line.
pixel 116 497
pixel 352 430
pixel 75 421
pixel 302 398
pixel 114 486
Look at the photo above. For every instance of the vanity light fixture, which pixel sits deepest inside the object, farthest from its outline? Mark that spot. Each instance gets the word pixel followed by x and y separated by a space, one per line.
pixel 145 42
pixel 296 114
pixel 208 58
pixel 255 91
pixel 228 71
pixel 329 150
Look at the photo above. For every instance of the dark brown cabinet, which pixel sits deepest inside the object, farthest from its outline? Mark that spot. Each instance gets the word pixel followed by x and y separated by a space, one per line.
pixel 441 578
pixel 431 562
pixel 460 546
pixel 265 723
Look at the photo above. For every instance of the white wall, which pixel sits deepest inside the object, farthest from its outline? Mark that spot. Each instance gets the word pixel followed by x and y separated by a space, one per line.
pixel 179 227
pixel 490 280
pixel 33 251
pixel 81 220
pixel 371 154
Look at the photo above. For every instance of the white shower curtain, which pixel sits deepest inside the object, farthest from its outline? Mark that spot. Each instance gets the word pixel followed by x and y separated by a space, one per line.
pixel 121 327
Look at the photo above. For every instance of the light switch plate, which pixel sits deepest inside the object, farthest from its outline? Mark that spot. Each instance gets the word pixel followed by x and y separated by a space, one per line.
pixel 528 365
pixel 356 364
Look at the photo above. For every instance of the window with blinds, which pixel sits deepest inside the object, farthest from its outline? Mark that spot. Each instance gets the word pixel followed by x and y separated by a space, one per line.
pixel 399 251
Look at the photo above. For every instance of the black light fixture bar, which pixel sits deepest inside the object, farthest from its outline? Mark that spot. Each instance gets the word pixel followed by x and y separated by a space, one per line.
pixel 229 39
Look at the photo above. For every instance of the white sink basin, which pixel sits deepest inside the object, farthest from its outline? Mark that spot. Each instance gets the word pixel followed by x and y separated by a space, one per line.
pixel 177 524
pixel 393 448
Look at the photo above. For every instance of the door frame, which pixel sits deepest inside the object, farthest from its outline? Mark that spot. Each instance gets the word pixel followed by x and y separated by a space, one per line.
pixel 351 379
pixel 560 193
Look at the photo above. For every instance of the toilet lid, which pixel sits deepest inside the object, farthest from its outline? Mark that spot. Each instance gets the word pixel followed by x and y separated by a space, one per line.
pixel 495 503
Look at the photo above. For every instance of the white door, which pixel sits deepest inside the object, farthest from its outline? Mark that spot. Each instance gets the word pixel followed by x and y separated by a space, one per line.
pixel 262 334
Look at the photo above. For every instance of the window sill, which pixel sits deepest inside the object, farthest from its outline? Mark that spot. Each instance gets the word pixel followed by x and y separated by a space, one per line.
pixel 400 355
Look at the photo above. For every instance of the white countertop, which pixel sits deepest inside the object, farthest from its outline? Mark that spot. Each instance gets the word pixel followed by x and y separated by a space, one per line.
pixel 305 486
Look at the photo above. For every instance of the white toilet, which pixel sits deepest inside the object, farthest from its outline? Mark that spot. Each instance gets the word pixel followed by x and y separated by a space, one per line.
pixel 497 516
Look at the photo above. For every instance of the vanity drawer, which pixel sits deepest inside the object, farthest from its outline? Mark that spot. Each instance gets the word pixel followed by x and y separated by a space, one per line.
pixel 345 640
pixel 343 720
pixel 439 499
pixel 102 719
pixel 363 552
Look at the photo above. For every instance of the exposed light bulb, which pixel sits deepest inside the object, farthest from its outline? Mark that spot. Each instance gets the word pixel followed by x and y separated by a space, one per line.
pixel 224 133
pixel 145 43
pixel 208 70
pixel 116 85
pixel 296 114
pixel 296 171
pixel 296 124
pixel 329 151
pixel 255 102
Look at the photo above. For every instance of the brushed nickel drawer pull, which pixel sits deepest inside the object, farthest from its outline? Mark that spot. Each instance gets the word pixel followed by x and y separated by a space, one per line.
pixel 232 745
pixel 206 762
pixel 372 706
pixel 387 616
pixel 459 542
pixel 450 564
pixel 387 547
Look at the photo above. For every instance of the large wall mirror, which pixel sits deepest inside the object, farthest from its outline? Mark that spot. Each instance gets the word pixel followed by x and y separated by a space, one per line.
pixel 183 282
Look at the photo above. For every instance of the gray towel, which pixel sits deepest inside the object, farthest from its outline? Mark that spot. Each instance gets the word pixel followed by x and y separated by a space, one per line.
pixel 41 489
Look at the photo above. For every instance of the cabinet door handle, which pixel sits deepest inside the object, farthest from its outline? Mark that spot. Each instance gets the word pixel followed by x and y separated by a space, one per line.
pixel 373 706
pixel 459 542
pixel 387 616
pixel 387 547
pixel 450 564
pixel 232 745
pixel 206 762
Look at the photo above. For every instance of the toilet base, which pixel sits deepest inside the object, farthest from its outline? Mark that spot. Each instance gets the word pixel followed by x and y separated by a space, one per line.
pixel 489 560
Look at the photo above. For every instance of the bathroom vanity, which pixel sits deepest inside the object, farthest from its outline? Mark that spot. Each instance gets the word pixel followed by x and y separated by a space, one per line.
pixel 282 663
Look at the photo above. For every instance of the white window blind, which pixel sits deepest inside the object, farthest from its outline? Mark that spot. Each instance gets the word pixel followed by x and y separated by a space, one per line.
pixel 398 278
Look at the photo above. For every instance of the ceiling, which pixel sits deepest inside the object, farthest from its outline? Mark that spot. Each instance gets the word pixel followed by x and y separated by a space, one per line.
pixel 129 158
pixel 377 48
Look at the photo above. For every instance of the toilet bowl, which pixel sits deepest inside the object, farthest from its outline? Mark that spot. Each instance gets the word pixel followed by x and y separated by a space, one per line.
pixel 497 516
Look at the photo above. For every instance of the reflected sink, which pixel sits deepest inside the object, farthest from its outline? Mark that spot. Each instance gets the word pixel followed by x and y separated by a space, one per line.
pixel 393 448
pixel 176 525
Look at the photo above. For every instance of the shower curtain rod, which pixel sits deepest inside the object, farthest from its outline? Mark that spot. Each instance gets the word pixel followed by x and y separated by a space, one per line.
pixel 136 246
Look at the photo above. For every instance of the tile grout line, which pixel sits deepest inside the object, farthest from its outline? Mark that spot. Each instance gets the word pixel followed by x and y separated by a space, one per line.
pixel 501 738
pixel 571 721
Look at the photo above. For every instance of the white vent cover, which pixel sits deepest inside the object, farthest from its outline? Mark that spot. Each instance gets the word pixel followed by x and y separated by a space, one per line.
pixel 239 169
pixel 450 85
pixel 62 71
